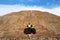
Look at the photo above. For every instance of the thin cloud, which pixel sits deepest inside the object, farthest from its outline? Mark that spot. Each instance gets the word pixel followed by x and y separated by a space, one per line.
pixel 5 9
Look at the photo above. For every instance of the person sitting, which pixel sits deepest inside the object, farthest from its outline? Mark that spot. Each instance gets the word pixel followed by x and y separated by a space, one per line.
pixel 29 30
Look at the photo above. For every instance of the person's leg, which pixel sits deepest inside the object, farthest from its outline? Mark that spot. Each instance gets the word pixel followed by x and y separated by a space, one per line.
pixel 29 36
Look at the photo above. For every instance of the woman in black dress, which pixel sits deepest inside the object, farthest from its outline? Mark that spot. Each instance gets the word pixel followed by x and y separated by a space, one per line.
pixel 29 30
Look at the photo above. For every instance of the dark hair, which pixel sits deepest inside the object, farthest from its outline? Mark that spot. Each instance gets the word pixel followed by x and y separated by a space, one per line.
pixel 28 26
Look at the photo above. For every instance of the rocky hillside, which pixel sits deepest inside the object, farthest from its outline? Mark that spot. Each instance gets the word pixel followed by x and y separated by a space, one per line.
pixel 13 24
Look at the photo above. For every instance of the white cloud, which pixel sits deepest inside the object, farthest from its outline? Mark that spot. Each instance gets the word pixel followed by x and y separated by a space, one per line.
pixel 5 9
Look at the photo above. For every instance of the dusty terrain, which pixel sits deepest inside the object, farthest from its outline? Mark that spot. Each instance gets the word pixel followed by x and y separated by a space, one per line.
pixel 13 24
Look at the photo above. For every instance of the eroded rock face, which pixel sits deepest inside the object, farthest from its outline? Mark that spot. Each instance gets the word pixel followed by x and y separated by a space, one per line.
pixel 13 25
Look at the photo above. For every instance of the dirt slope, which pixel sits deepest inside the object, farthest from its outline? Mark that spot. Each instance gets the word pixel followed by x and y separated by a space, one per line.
pixel 13 24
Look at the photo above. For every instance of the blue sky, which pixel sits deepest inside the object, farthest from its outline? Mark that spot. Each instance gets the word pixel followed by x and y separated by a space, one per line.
pixel 43 3
pixel 8 6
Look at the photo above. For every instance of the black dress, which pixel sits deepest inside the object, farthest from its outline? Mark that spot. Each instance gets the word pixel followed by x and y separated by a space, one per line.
pixel 29 31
